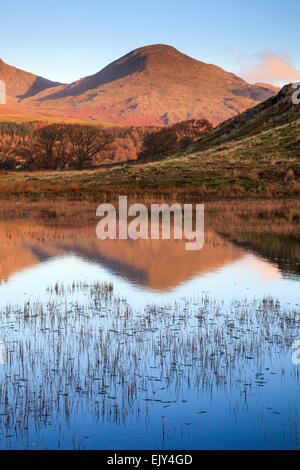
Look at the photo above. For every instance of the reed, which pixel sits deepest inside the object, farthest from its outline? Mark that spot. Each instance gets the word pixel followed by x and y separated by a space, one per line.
pixel 86 350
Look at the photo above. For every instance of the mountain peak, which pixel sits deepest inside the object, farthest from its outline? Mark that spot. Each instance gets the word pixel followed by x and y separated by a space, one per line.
pixel 166 55
pixel 151 85
pixel 156 48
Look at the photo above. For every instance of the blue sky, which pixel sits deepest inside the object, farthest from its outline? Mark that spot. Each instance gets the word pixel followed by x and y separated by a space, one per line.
pixel 67 39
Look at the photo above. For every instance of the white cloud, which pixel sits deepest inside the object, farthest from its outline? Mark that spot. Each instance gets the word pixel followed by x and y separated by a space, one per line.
pixel 268 67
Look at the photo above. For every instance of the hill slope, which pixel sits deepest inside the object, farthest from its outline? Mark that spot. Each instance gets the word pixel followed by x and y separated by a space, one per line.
pixel 21 84
pixel 155 85
pixel 278 110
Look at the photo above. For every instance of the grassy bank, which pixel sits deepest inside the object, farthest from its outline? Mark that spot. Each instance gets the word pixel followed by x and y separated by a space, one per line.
pixel 266 165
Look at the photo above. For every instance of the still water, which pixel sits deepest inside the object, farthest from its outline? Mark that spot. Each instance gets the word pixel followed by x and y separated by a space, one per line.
pixel 124 344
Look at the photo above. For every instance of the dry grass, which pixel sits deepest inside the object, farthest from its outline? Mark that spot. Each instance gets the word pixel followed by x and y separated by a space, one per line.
pixel 263 216
pixel 262 166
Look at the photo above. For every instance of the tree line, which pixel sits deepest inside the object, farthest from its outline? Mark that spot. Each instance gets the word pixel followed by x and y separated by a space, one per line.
pixel 59 146
pixel 174 138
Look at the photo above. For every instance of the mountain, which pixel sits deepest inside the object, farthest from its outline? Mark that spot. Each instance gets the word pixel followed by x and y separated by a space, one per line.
pixel 21 84
pixel 155 85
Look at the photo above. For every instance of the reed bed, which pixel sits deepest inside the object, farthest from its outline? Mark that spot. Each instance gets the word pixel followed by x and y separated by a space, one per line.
pixel 277 216
pixel 85 351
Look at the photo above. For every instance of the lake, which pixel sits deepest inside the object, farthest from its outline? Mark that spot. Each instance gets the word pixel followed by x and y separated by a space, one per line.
pixel 123 344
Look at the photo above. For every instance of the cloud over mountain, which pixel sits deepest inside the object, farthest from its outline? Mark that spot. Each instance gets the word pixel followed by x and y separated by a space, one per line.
pixel 268 66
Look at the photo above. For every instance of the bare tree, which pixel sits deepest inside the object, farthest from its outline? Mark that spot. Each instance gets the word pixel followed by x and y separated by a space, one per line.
pixel 7 161
pixel 86 142
pixel 53 146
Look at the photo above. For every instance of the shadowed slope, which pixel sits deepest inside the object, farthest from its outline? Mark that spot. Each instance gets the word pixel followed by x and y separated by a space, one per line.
pixel 21 84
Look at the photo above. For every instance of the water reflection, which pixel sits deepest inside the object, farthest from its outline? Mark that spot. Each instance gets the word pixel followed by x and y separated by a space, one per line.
pixel 160 265
pixel 254 264
pixel 142 344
